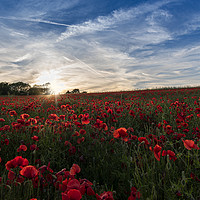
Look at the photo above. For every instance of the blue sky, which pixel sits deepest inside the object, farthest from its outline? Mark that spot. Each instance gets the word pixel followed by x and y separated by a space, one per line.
pixel 100 45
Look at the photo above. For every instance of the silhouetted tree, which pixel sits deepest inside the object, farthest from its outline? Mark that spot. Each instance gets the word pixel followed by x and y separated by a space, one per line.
pixel 34 91
pixel 19 88
pixel 4 88
pixel 75 91
pixel 40 89
pixel 46 88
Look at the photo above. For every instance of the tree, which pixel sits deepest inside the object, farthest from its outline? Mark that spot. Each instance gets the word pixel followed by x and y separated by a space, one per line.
pixel 47 87
pixel 4 88
pixel 19 88
pixel 75 91
pixel 34 91
pixel 40 89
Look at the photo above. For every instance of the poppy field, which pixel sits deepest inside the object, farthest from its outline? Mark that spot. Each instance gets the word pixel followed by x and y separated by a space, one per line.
pixel 118 145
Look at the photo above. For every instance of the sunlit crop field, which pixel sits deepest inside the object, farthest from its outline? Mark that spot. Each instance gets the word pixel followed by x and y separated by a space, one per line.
pixel 122 145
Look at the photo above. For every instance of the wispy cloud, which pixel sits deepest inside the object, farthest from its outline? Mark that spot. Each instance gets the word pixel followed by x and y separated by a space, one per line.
pixel 106 22
pixel 34 20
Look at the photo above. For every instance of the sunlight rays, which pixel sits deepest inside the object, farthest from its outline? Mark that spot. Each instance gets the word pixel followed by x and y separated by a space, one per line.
pixel 52 77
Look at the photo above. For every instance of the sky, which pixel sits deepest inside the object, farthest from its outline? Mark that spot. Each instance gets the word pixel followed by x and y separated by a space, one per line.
pixel 100 45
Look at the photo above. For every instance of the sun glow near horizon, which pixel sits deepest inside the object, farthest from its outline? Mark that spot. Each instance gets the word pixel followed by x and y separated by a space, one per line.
pixel 52 77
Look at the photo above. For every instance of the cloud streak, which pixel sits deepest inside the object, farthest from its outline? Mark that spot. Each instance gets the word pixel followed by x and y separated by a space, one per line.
pixel 105 22
pixel 34 20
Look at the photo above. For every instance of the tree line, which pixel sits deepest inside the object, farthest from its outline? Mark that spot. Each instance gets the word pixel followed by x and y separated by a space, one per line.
pixel 75 91
pixel 21 88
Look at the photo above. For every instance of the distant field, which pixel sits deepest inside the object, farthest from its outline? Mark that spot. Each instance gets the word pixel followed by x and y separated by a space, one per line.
pixel 120 145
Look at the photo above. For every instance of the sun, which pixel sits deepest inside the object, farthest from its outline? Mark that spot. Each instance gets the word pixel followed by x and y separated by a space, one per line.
pixel 52 77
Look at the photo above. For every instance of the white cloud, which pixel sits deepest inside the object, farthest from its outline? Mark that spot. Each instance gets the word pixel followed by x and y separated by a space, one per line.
pixel 38 8
pixel 108 22
pixel 24 57
pixel 28 19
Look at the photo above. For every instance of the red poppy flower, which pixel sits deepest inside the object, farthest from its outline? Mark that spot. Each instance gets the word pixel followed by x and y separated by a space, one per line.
pixel 74 169
pixel 6 128
pixel 85 119
pixel 24 116
pixel 68 143
pixel 72 194
pixel 157 152
pixel 170 153
pixel 63 186
pixel 79 140
pixel 53 117
pixel 164 153
pixel 132 113
pixel 22 148
pixel 73 184
pixel 105 196
pixel 21 161
pixel 21 121
pixel 6 141
pixel 189 144
pixel 143 139
pixel 98 123
pixel 86 187
pixel 90 191
pixel 11 175
pixel 120 132
pixel 35 138
pixel 78 124
pixel 29 171
pixel 134 194
pixel 63 106
pixel 65 196
pixel 110 111
pixel 20 179
pixel 104 126
pixel 2 120
pixel 12 113
pixel 197 110
pixel 76 133
pixel 32 121
pixel 17 161
pixel 62 117
pixel 82 131
pixel 72 150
